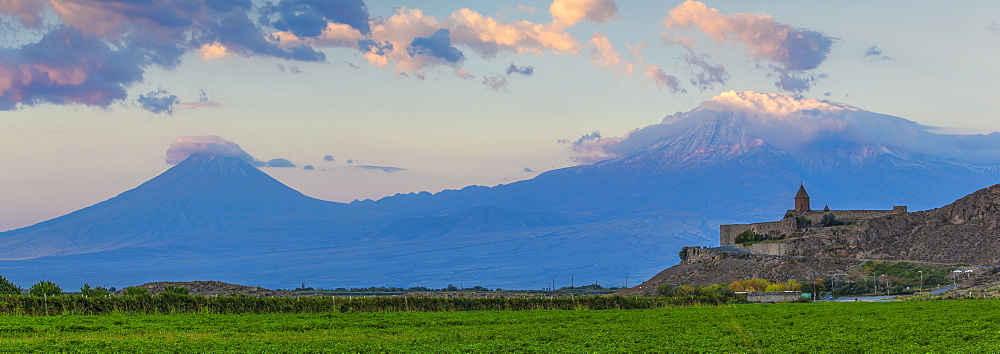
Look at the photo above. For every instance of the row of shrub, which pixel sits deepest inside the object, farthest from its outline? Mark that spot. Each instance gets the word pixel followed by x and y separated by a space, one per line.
pixel 173 303
pixel 724 293
pixel 46 288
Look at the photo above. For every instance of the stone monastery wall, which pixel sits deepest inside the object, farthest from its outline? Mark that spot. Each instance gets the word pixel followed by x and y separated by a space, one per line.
pixel 771 248
pixel 787 226
pixel 851 215
pixel 728 233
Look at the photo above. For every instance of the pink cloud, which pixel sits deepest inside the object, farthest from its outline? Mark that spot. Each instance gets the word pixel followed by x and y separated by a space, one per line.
pixel 791 50
pixel 765 38
pixel 28 12
pixel 605 55
pixel 662 79
pixel 185 146
pixel 391 38
pixel 566 13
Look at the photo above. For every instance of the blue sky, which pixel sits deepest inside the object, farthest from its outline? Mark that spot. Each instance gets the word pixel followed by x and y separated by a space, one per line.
pixel 444 103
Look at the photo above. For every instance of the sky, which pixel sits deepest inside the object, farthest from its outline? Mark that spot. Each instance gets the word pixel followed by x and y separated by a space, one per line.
pixel 352 99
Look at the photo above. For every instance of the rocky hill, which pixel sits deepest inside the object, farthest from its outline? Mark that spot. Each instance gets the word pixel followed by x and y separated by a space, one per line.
pixel 703 267
pixel 966 231
pixel 213 288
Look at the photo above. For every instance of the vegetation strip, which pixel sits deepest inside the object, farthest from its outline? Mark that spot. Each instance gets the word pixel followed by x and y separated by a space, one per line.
pixel 171 303
pixel 908 326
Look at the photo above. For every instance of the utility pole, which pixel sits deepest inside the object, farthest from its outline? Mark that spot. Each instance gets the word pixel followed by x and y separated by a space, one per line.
pixel 572 283
pixel 921 280
pixel 833 283
pixel 626 282
pixel 875 280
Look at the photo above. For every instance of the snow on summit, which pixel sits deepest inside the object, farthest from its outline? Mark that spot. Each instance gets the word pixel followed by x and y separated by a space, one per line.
pixel 771 103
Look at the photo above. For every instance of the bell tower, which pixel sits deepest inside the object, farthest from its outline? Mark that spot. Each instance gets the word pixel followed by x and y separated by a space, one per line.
pixel 802 199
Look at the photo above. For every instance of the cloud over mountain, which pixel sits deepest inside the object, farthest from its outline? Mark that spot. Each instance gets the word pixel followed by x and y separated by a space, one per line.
pixel 185 146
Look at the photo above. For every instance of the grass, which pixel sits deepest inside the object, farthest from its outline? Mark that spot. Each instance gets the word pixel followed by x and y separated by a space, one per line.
pixel 911 326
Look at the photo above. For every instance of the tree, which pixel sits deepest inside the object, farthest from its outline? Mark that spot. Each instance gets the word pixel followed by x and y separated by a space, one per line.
pixel 775 287
pixel 749 284
pixel 174 289
pixel 666 289
pixel 8 288
pixel 793 285
pixel 45 288
pixel 87 291
pixel 748 236
pixel 830 220
pixel 684 290
pixel 817 287
pixel 802 222
pixel 136 291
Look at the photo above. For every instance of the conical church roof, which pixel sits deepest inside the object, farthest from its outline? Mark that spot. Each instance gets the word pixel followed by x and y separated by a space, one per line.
pixel 802 193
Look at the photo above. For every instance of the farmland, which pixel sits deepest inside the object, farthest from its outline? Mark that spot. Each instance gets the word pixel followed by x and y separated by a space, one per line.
pixel 908 326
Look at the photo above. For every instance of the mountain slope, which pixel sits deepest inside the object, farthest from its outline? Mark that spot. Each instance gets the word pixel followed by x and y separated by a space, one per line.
pixel 476 220
pixel 204 194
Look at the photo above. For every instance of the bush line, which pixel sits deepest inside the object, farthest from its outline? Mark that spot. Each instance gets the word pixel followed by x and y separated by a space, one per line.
pixel 167 303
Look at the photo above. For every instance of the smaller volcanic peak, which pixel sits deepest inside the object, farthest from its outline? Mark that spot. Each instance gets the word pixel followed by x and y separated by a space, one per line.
pixel 213 179
pixel 203 195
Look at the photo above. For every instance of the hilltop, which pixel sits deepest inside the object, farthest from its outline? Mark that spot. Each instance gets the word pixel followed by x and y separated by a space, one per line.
pixel 213 288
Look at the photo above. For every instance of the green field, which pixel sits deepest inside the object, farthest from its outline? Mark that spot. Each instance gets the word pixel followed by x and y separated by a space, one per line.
pixel 910 326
